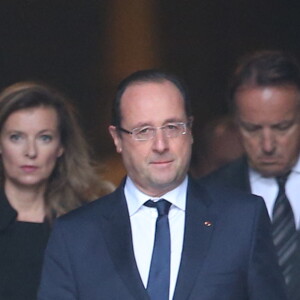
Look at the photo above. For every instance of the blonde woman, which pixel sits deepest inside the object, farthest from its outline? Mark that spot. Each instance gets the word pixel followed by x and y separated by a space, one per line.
pixel 45 171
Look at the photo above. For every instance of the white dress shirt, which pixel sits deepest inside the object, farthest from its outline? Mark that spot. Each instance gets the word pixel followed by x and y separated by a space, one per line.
pixel 268 189
pixel 143 220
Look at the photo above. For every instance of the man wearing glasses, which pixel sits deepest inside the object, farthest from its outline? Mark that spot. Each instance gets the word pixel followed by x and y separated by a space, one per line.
pixel 161 235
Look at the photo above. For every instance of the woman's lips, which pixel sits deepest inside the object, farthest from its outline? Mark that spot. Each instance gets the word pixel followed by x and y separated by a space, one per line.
pixel 29 169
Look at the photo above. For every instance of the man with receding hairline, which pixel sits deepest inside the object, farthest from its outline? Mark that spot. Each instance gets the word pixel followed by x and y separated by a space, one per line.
pixel 160 235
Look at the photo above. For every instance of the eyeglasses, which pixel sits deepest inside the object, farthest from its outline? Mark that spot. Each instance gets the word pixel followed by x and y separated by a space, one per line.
pixel 145 133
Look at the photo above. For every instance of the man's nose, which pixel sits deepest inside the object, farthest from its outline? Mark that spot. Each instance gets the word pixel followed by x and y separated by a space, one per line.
pixel 268 141
pixel 160 142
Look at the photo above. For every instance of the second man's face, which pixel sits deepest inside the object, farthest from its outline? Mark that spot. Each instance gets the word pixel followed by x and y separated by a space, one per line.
pixel 159 164
pixel 269 123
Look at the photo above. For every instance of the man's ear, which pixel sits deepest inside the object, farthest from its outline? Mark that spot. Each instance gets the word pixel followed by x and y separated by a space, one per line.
pixel 116 138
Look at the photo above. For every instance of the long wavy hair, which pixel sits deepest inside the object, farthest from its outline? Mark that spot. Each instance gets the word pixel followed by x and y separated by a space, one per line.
pixel 75 178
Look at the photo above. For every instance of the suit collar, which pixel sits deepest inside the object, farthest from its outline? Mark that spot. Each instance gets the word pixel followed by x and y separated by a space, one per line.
pixel 244 173
pixel 238 174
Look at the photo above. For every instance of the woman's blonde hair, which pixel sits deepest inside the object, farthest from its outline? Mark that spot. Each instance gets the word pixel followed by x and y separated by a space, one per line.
pixel 74 179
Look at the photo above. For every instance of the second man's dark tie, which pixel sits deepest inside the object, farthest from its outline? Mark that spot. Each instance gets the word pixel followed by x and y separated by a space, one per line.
pixel 159 274
pixel 284 233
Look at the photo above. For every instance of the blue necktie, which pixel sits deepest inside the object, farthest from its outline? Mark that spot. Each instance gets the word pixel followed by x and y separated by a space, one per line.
pixel 159 274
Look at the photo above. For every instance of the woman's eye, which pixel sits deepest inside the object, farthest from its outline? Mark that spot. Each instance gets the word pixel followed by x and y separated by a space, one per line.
pixel 15 137
pixel 46 138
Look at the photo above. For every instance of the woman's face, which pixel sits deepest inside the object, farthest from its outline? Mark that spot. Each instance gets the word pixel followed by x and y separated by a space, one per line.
pixel 30 146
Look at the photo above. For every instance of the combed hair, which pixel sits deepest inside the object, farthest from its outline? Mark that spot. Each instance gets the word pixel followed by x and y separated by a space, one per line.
pixel 264 69
pixel 74 179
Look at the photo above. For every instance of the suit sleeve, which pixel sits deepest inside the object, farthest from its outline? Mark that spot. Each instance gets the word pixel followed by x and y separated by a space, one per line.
pixel 57 281
pixel 265 280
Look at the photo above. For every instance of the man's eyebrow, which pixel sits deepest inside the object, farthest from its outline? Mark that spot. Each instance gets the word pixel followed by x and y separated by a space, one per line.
pixel 144 124
pixel 173 120
pixel 283 122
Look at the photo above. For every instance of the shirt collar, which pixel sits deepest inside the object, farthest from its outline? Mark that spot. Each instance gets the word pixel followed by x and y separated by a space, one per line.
pixel 135 198
pixel 254 175
pixel 296 167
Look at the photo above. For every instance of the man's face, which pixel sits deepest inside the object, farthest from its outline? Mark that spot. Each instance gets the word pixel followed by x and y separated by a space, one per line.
pixel 269 123
pixel 160 164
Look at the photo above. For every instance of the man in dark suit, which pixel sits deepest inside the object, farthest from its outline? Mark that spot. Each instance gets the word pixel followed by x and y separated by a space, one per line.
pixel 265 98
pixel 187 242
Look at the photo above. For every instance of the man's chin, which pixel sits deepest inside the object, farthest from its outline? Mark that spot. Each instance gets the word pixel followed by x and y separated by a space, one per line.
pixel 271 170
pixel 164 182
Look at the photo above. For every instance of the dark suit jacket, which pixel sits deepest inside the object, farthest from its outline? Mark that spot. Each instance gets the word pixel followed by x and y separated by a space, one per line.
pixel 90 254
pixel 234 174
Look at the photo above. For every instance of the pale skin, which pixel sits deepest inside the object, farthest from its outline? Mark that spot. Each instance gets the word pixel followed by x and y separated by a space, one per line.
pixel 29 146
pixel 269 123
pixel 158 165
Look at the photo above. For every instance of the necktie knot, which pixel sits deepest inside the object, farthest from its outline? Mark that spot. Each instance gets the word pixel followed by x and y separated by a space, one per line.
pixel 281 180
pixel 162 206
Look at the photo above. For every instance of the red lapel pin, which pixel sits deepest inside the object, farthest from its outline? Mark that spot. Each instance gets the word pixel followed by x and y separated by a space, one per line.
pixel 208 223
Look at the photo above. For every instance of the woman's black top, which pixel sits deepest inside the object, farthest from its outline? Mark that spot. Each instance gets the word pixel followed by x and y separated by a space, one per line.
pixel 22 246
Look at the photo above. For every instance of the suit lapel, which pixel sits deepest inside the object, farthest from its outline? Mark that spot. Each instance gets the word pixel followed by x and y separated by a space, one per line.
pixel 240 174
pixel 117 233
pixel 199 226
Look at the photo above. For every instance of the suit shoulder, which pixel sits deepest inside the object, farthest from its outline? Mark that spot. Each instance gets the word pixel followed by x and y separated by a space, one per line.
pixel 233 174
pixel 92 209
pixel 231 168
pixel 226 195
pixel 227 204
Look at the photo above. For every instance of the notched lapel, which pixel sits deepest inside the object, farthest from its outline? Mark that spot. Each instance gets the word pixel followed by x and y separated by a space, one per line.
pixel 117 233
pixel 199 227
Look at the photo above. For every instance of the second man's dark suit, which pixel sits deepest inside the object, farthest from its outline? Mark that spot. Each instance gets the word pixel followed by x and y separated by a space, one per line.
pixel 236 175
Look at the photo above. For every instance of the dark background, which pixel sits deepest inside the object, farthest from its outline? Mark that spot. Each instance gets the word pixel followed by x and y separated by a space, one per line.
pixel 84 47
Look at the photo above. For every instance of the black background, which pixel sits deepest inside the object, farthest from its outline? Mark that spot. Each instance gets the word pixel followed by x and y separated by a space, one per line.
pixel 64 43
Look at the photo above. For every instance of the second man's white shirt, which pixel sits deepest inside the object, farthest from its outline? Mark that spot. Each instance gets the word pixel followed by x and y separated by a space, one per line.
pixel 268 189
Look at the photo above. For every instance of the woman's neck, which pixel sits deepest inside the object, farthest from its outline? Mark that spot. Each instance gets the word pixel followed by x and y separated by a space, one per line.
pixel 29 202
